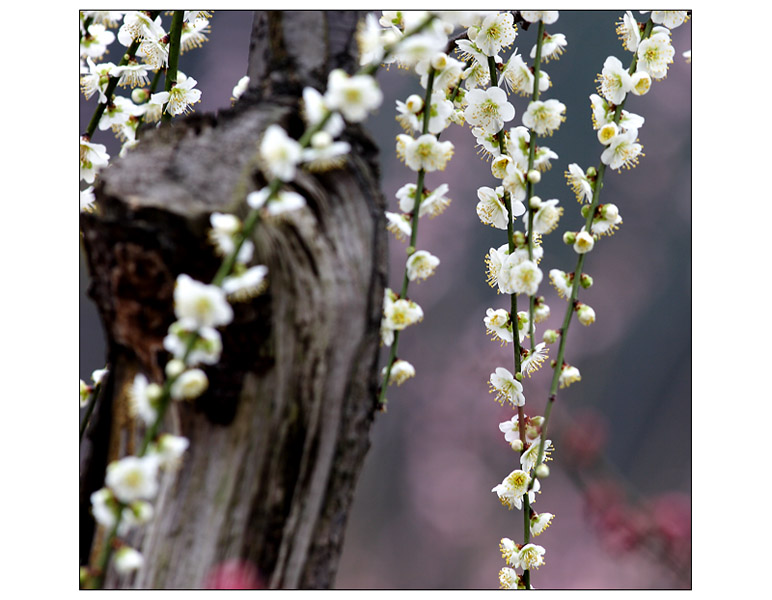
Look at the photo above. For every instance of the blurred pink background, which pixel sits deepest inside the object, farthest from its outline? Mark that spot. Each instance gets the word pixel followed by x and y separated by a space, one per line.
pixel 424 516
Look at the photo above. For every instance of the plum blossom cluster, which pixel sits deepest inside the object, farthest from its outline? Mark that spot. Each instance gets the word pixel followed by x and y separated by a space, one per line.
pixel 517 163
pixel 202 309
pixel 423 118
pixel 145 53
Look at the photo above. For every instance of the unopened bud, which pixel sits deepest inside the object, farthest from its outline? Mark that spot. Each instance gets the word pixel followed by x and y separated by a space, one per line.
pixel 591 172
pixel 410 250
pixel 585 281
pixel 610 212
pixel 519 376
pixel 535 202
pixel 140 95
pixel 519 238
pixel 586 210
pixel 542 471
pixel 569 238
pixel 534 176
pixel 154 392
pixel 585 314
pixel 174 368
pixel 550 336
pixel 321 139
pixel 517 445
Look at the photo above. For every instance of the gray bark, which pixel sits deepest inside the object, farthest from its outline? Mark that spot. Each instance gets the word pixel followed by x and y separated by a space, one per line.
pixel 278 440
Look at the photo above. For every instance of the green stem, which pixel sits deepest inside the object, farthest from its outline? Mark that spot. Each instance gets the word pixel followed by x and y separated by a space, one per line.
pixel 175 34
pixel 570 307
pixel 92 400
pixel 112 84
pixel 419 191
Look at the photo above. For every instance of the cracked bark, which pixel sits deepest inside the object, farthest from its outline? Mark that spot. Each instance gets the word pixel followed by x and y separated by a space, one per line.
pixel 278 440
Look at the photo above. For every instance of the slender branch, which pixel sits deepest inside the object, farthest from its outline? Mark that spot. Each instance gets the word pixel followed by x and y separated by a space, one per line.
pixel 175 34
pixel 570 307
pixel 419 191
pixel 113 83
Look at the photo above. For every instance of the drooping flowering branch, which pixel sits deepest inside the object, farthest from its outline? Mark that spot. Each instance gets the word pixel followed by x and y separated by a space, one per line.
pixel 193 339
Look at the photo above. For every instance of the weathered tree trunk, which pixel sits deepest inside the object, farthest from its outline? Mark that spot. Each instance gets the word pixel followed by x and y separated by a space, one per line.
pixel 278 440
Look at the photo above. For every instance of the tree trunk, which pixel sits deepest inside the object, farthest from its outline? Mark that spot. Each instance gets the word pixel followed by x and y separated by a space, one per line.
pixel 278 440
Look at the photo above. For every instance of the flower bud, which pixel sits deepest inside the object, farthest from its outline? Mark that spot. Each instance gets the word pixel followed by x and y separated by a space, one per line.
pixel 472 33
pixel 414 103
pixel 535 202
pixel 517 445
pixel 585 314
pixel 585 281
pixel 550 336
pixel 140 95
pixel 534 176
pixel 569 238
pixel 519 376
pixel 542 471
pixel 586 210
pixel 591 173
pixel 610 212
pixel 174 368
pixel 519 238
pixel 321 139
pixel 154 392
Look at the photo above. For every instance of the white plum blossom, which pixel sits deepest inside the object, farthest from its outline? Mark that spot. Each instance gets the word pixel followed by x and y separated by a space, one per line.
pixel 133 478
pixel 95 80
pixel 531 556
pixel 138 25
pixel 584 242
pixel 132 74
pixel 585 314
pixel 424 153
pixel 94 44
pixel 498 324
pixel 421 265
pixel 579 183
pixel 488 109
pixel 401 371
pixel 169 450
pixel 540 522
pixel 144 399
pixel 193 34
pixel 507 388
pixel 545 16
pixel 199 305
pixel 224 228
pixel 562 282
pixel 92 158
pixel 497 31
pixel 614 81
pixel 280 153
pixel 324 153
pixel 240 87
pixel 353 96
pixel 510 580
pixel 544 117
pixel 534 358
pixel 127 560
pixel 205 350
pixel 242 286
pixel 314 110
pixel 399 225
pixel 402 313
pixel 641 83
pixel 491 209
pixel 546 214
pixel 553 46
pixel 623 150
pixel 669 18
pixel 514 487
pixel 607 221
pixel 180 98
pixel 568 375
pixel 529 457
pixel 629 32
pixel 655 53
pixel 519 276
